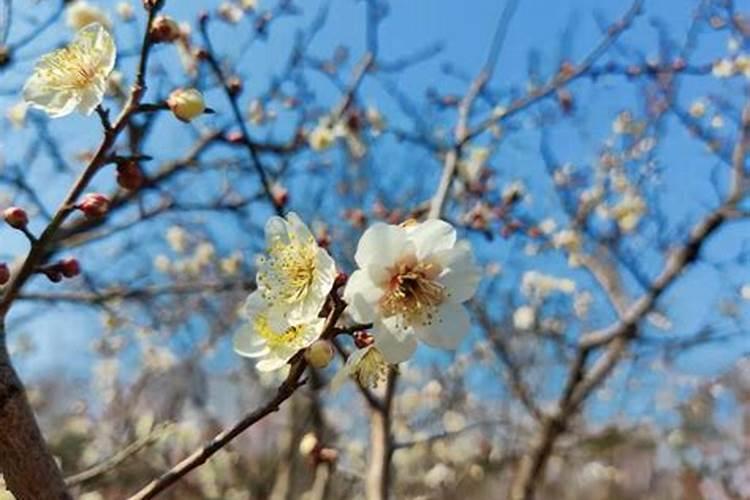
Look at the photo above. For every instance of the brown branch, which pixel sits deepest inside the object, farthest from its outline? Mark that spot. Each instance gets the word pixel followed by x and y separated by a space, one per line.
pixel 27 464
pixel 379 473
pixel 117 459
pixel 617 338
pixel 285 391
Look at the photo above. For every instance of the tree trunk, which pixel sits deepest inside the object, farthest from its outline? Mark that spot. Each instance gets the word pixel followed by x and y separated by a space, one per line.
pixel 27 465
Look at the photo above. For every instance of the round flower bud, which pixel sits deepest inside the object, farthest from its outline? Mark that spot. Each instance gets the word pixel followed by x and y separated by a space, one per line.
pixel 70 268
pixel 186 104
pixel 164 30
pixel 319 354
pixel 94 205
pixel 16 217
pixel 308 443
pixel 129 175
pixel 4 273
pixel 328 455
pixel 234 84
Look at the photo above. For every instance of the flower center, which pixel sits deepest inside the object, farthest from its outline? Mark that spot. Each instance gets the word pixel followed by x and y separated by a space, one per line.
pixel 289 272
pixel 412 291
pixel 290 337
pixel 70 68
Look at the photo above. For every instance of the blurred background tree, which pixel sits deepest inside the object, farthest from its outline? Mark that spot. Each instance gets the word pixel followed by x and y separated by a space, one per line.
pixel 593 153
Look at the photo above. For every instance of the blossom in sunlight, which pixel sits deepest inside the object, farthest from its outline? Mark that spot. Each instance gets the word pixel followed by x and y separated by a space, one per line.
pixel 275 344
pixel 186 104
pixel 80 14
pixel 412 281
pixel 322 137
pixel 126 11
pixel 74 77
pixel 296 274
pixel 367 366
pixel 16 114
pixel 698 109
pixel 524 318
pixel 628 211
pixel 723 68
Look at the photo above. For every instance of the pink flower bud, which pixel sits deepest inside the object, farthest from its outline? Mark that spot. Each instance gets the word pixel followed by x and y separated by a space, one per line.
pixel 16 217
pixel 164 30
pixel 129 175
pixel 4 273
pixel 235 137
pixel 70 268
pixel 94 205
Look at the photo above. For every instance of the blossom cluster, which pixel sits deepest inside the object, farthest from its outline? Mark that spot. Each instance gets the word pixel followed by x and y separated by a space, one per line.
pixel 410 285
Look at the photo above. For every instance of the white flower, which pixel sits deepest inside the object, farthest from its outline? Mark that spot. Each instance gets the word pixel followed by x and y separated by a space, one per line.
pixel 80 14
pixel 411 280
pixel 698 109
pixel 126 11
pixel 276 345
pixel 322 137
pixel 74 77
pixel 16 114
pixel 440 476
pixel 524 318
pixel 367 366
pixel 296 276
pixel 723 68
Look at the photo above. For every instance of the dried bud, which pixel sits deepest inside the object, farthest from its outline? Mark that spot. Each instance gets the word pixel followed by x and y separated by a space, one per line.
pixel 94 205
pixel 186 104
pixel 153 4
pixel 341 279
pixel 129 175
pixel 164 30
pixel 16 217
pixel 234 85
pixel 362 339
pixel 4 273
pixel 70 268
pixel 235 137
pixel 280 195
pixel 319 354
pixel 328 455
pixel 5 55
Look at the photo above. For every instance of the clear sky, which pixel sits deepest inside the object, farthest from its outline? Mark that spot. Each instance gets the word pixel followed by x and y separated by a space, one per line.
pixel 541 33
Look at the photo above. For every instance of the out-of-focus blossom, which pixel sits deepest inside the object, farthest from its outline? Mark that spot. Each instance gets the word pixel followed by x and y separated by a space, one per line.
pixel 80 14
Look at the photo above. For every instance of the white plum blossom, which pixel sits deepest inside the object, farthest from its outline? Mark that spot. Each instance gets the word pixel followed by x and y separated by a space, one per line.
pixel 296 276
pixel 73 77
pixel 524 318
pixel 275 345
pixel 411 282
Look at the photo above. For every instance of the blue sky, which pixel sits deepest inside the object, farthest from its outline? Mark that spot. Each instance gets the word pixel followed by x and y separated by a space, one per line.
pixel 464 29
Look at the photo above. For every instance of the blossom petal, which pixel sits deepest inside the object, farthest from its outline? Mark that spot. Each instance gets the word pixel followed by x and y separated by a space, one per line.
pixel 448 329
pixel 462 275
pixel 361 294
pixel 298 228
pixel 431 236
pixel 380 246
pixel 248 345
pixel 270 364
pixel 395 348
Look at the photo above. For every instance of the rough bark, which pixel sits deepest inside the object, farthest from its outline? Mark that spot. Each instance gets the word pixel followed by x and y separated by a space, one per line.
pixel 26 463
